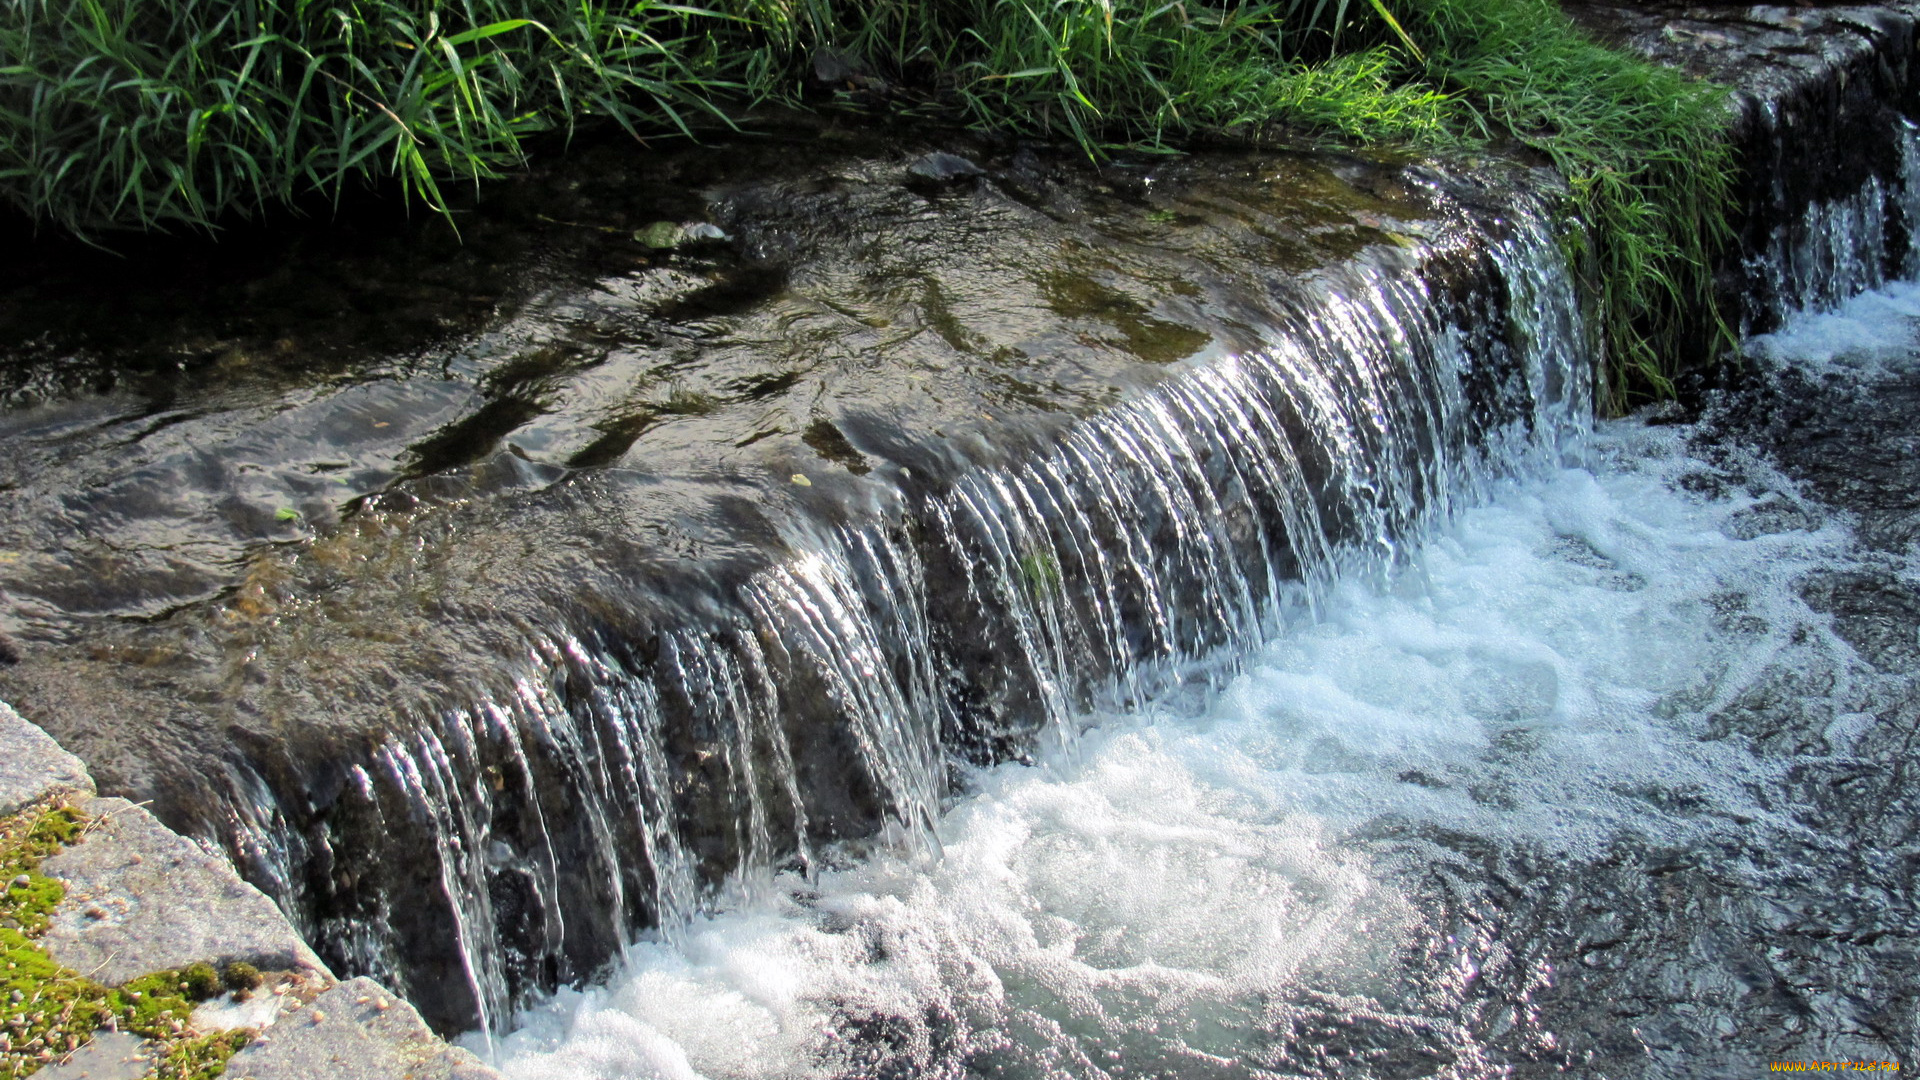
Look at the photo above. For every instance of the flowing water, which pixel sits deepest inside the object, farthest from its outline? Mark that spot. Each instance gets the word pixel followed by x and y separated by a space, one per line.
pixel 1148 550
pixel 1359 806
pixel 1165 618
pixel 1301 873
pixel 679 568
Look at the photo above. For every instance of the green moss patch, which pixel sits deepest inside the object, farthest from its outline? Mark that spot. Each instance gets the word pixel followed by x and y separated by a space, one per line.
pixel 201 1058
pixel 48 1011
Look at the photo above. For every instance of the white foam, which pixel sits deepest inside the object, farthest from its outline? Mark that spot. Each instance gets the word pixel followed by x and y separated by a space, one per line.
pixel 1869 335
pixel 1542 674
pixel 1537 674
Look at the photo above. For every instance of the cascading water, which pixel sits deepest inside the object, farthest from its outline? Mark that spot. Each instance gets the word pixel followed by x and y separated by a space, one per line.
pixel 1836 249
pixel 1442 636
pixel 510 607
pixel 1152 545
pixel 1294 879
pixel 1523 715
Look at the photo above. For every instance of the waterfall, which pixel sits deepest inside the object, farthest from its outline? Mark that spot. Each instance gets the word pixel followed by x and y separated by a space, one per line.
pixel 1375 846
pixel 822 705
pixel 1833 249
pixel 624 784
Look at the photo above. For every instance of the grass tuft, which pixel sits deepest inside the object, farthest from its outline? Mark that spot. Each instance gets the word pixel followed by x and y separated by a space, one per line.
pixel 1643 148
pixel 170 112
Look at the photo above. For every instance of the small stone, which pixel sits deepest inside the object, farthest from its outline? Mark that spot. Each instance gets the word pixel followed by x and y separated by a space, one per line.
pixel 382 1004
pixel 318 1017
pixel 18 997
pixel 944 168
pixel 702 232
pixel 22 881
pixel 801 479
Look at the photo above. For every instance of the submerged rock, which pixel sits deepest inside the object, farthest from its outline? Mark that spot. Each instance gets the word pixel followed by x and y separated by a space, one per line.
pixel 944 168
pixel 668 235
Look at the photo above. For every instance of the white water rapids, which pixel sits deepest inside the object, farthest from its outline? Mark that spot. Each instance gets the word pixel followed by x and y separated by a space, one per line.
pixel 1161 896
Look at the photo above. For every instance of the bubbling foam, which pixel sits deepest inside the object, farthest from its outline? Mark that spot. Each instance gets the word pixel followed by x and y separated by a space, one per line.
pixel 1159 896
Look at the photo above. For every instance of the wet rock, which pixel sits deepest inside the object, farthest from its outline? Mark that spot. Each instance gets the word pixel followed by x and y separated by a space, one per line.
pixel 33 766
pixel 670 236
pixel 847 74
pixel 944 168
pixel 141 898
pixel 355 1031
pixel 856 339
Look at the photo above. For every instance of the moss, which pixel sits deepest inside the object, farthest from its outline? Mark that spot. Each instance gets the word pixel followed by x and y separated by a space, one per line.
pixel 203 1058
pixel 25 839
pixel 1041 571
pixel 200 982
pixel 240 976
pixel 47 1010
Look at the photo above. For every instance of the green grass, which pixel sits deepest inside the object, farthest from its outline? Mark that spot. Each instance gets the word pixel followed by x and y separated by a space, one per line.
pixel 1642 147
pixel 159 112
pixel 176 112
pixel 1108 73
pixel 183 113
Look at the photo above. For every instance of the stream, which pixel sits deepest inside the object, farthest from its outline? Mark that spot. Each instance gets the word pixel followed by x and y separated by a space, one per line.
pixel 860 604
pixel 1506 805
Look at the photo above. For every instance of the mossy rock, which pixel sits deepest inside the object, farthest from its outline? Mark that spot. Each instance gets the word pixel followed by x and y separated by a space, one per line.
pixel 47 1010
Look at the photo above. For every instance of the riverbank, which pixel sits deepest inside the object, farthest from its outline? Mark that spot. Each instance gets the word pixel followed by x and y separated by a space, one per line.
pixel 133 952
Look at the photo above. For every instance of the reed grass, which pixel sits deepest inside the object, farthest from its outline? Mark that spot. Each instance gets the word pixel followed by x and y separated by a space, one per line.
pixel 1112 73
pixel 1644 150
pixel 151 113
pixel 184 113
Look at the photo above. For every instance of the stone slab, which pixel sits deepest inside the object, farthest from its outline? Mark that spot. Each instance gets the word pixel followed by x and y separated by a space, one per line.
pixel 33 766
pixel 345 1034
pixel 112 1055
pixel 141 898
